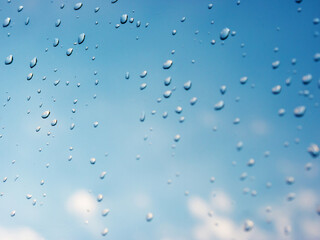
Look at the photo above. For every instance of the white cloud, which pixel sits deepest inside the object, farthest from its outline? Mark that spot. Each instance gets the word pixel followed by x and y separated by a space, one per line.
pixel 22 233
pixel 218 226
pixel 82 204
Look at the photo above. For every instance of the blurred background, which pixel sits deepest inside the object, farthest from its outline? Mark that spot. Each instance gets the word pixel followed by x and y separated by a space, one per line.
pixel 128 154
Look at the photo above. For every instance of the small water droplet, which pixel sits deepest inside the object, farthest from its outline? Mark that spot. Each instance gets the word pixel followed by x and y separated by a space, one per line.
pixel 99 197
pixel 219 105
pixel 276 89
pixel 167 94
pixel 187 85
pixel 314 150
pixel 20 8
pixel 306 79
pixel 58 22
pixel 149 217
pixel 248 225
pixel 143 74
pixel 105 212
pixel 106 230
pixel 8 60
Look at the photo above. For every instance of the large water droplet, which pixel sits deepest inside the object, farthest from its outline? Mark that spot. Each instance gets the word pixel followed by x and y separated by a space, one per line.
pixel 167 94
pixel 276 89
pixel 6 22
pixel 187 85
pixel 58 22
pixel 306 79
pixel 143 74
pixel 314 150
pixel 224 34
pixel 81 38
pixel 124 18
pixel 45 114
pixel 77 6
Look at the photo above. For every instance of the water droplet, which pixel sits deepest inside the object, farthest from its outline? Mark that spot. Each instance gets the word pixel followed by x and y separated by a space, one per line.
pixel 69 51
pixel 223 89
pixel 33 62
pixel 299 111
pixel 275 64
pixel 248 225
pixel 106 230
pixel 210 5
pixel 178 110
pixel 105 212
pixel 77 6
pixel 219 105
pixel 99 197
pixel 143 86
pixel 187 85
pixel 20 8
pixel 149 217
pixel 306 79
pixel 193 101
pixel 290 180
pixel 95 124
pixel 167 94
pixel 251 162
pixel 167 64
pixel 58 22
pixel 6 22
pixel 224 34
pixel 45 114
pixel 92 160
pixel 276 89
pixel 13 213
pixel 55 42
pixel 28 196
pixel 143 74
pixel 102 175
pixel 27 21
pixel 124 18
pixel 167 81
pixel 243 80
pixel 8 60
pixel 54 122
pixel 72 126
pixel 314 150
pixel 177 138
pixel 81 38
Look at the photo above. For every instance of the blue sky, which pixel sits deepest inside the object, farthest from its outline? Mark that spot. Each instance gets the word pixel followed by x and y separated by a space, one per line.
pixel 133 188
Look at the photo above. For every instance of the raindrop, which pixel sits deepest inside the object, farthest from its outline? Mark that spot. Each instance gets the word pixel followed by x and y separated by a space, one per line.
pixel 95 124
pixel 219 105
pixel 143 74
pixel 167 94
pixel 306 79
pixel 55 42
pixel 6 22
pixel 33 62
pixel 124 18
pixel 177 138
pixel 149 217
pixel 105 212
pixel 167 81
pixel 13 213
pixel 167 64
pixel 275 64
pixel 69 51
pixel 81 38
pixel 299 111
pixel 92 160
pixel 99 197
pixel 106 230
pixel 54 122
pixel 58 22
pixel 8 60
pixel 193 101
pixel 314 150
pixel 45 114
pixel 224 33
pixel 243 80
pixel 20 8
pixel 143 86
pixel 276 89
pixel 248 225
pixel 77 6
pixel 187 85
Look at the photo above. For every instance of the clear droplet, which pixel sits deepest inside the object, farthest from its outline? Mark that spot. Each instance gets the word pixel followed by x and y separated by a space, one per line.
pixel 99 197
pixel 104 232
pixel 167 64
pixel 143 74
pixel 187 85
pixel 314 150
pixel 276 89
pixel 77 6
pixel 167 94
pixel 81 38
pixel 248 225
pixel 8 60
pixel 45 114
pixel 92 160
pixel 6 22
pixel 54 122
pixel 69 51
pixel 219 105
pixel 149 217
pixel 58 22
pixel 55 42
pixel 299 111
pixel 124 18
pixel 224 34
pixel 105 212
pixel 33 62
